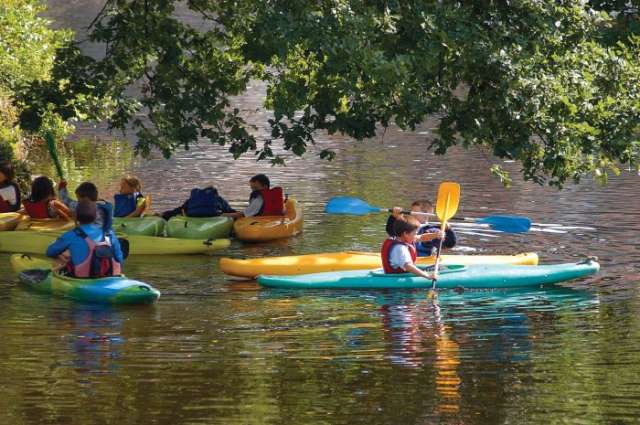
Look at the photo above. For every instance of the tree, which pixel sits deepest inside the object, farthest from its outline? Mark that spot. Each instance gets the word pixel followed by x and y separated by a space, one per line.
pixel 27 52
pixel 553 85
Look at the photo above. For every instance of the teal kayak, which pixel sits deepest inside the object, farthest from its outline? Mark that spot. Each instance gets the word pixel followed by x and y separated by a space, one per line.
pixel 139 226
pixel 37 275
pixel 449 276
pixel 182 227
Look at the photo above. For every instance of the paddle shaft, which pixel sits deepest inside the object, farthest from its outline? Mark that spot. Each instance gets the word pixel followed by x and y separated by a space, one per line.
pixel 51 146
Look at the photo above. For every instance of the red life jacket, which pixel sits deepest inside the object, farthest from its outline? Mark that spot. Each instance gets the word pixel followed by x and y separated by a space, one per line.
pixel 38 209
pixel 94 265
pixel 386 250
pixel 272 201
pixel 4 206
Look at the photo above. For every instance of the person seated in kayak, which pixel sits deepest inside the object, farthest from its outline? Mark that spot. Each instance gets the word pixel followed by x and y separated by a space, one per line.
pixel 42 203
pixel 88 191
pixel 202 203
pixel 428 235
pixel 264 200
pixel 130 202
pixel 9 192
pixel 88 250
pixel 399 252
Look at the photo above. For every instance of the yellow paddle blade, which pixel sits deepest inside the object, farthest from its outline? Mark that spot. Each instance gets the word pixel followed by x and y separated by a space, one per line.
pixel 448 200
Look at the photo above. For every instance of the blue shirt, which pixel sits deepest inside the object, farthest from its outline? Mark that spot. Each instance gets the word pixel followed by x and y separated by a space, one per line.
pixel 78 247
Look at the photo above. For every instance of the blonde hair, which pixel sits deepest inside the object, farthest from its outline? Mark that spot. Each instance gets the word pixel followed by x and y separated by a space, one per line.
pixel 133 182
pixel 424 204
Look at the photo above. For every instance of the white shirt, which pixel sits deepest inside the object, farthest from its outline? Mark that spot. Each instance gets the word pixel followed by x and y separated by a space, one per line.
pixel 399 256
pixel 9 194
pixel 255 205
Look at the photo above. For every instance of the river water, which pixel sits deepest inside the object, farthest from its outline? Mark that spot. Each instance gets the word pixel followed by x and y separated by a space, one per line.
pixel 217 350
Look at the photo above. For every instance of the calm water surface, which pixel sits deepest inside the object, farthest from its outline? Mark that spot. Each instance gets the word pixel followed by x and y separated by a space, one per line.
pixel 217 350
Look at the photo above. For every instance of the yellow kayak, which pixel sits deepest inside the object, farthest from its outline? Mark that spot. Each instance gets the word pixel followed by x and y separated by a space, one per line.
pixel 267 228
pixel 339 261
pixel 33 242
pixel 9 221
pixel 44 224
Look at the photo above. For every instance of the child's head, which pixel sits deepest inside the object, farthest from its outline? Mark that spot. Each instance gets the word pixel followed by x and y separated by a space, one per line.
pixel 41 189
pixel 86 211
pixel 259 182
pixel 7 173
pixel 129 185
pixel 422 205
pixel 406 229
pixel 87 191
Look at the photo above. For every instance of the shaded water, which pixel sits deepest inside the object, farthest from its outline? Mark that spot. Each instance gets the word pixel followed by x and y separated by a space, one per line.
pixel 215 350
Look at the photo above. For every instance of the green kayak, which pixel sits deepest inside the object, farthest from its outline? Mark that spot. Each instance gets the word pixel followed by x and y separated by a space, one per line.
pixel 139 226
pixel 37 275
pixel 450 276
pixel 29 242
pixel 182 227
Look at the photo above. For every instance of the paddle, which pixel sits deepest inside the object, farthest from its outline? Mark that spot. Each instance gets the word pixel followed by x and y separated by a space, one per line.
pixel 355 206
pixel 446 207
pixel 51 145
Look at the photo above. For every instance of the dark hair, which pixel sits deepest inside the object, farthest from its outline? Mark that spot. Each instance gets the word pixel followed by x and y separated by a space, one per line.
pixel 405 225
pixel 262 179
pixel 6 168
pixel 41 188
pixel 423 204
pixel 87 190
pixel 86 212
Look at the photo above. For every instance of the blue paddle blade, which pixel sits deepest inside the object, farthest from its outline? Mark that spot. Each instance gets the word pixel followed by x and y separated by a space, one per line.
pixel 349 205
pixel 507 223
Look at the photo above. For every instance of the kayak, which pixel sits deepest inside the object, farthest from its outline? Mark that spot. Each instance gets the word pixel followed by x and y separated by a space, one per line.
pixel 150 245
pixel 37 275
pixel 267 228
pixel 44 224
pixel 37 243
pixel 338 261
pixel 449 276
pixel 9 221
pixel 141 226
pixel 199 227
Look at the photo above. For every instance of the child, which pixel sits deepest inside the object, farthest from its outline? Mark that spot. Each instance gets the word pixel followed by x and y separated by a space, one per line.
pixel 129 202
pixel 203 203
pixel 42 202
pixel 9 192
pixel 263 200
pixel 92 252
pixel 399 252
pixel 88 191
pixel 428 235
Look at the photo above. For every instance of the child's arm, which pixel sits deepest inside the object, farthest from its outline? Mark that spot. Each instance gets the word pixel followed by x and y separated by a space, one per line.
pixel 58 247
pixel 61 210
pixel 117 249
pixel 411 268
pixel 138 211
pixel 63 192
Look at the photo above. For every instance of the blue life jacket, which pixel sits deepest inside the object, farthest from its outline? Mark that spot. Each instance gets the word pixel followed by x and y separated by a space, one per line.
pixel 126 204
pixel 203 203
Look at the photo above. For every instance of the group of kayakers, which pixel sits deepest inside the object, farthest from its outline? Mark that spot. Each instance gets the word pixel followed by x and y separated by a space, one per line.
pixel 410 236
pixel 92 248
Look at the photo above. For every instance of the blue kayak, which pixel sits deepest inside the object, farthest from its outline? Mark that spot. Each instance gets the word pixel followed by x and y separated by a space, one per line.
pixel 450 276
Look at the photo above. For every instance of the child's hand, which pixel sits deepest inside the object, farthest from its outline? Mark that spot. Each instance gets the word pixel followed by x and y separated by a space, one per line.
pixel 62 184
pixel 396 212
